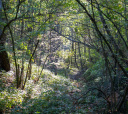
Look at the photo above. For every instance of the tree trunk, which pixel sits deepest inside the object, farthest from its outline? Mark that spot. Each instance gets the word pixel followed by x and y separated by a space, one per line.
pixel 80 56
pixel 4 60
pixel 75 55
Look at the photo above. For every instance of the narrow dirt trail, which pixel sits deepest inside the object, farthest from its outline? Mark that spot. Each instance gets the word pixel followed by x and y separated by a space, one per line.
pixel 76 76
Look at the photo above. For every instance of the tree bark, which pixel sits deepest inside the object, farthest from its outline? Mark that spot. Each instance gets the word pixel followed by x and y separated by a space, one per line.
pixel 4 60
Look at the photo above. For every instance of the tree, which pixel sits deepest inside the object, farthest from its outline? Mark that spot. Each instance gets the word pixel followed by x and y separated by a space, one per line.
pixel 108 41
pixel 4 60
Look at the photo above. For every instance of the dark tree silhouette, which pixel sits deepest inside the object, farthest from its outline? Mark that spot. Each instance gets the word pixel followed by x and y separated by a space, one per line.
pixel 4 60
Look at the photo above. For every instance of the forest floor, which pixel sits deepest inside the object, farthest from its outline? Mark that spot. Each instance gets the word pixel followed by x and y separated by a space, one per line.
pixel 66 92
pixel 53 94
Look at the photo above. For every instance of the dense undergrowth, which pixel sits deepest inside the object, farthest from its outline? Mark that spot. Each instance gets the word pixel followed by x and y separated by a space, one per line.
pixel 55 94
pixel 52 94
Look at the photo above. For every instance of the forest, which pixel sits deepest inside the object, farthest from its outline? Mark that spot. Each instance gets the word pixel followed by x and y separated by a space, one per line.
pixel 63 56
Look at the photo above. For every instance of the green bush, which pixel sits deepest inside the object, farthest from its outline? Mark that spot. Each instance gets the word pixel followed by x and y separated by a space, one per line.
pixel 96 71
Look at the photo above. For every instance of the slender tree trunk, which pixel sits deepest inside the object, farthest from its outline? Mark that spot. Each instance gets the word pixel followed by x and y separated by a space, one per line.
pixel 75 55
pixel 80 56
pixel 72 50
